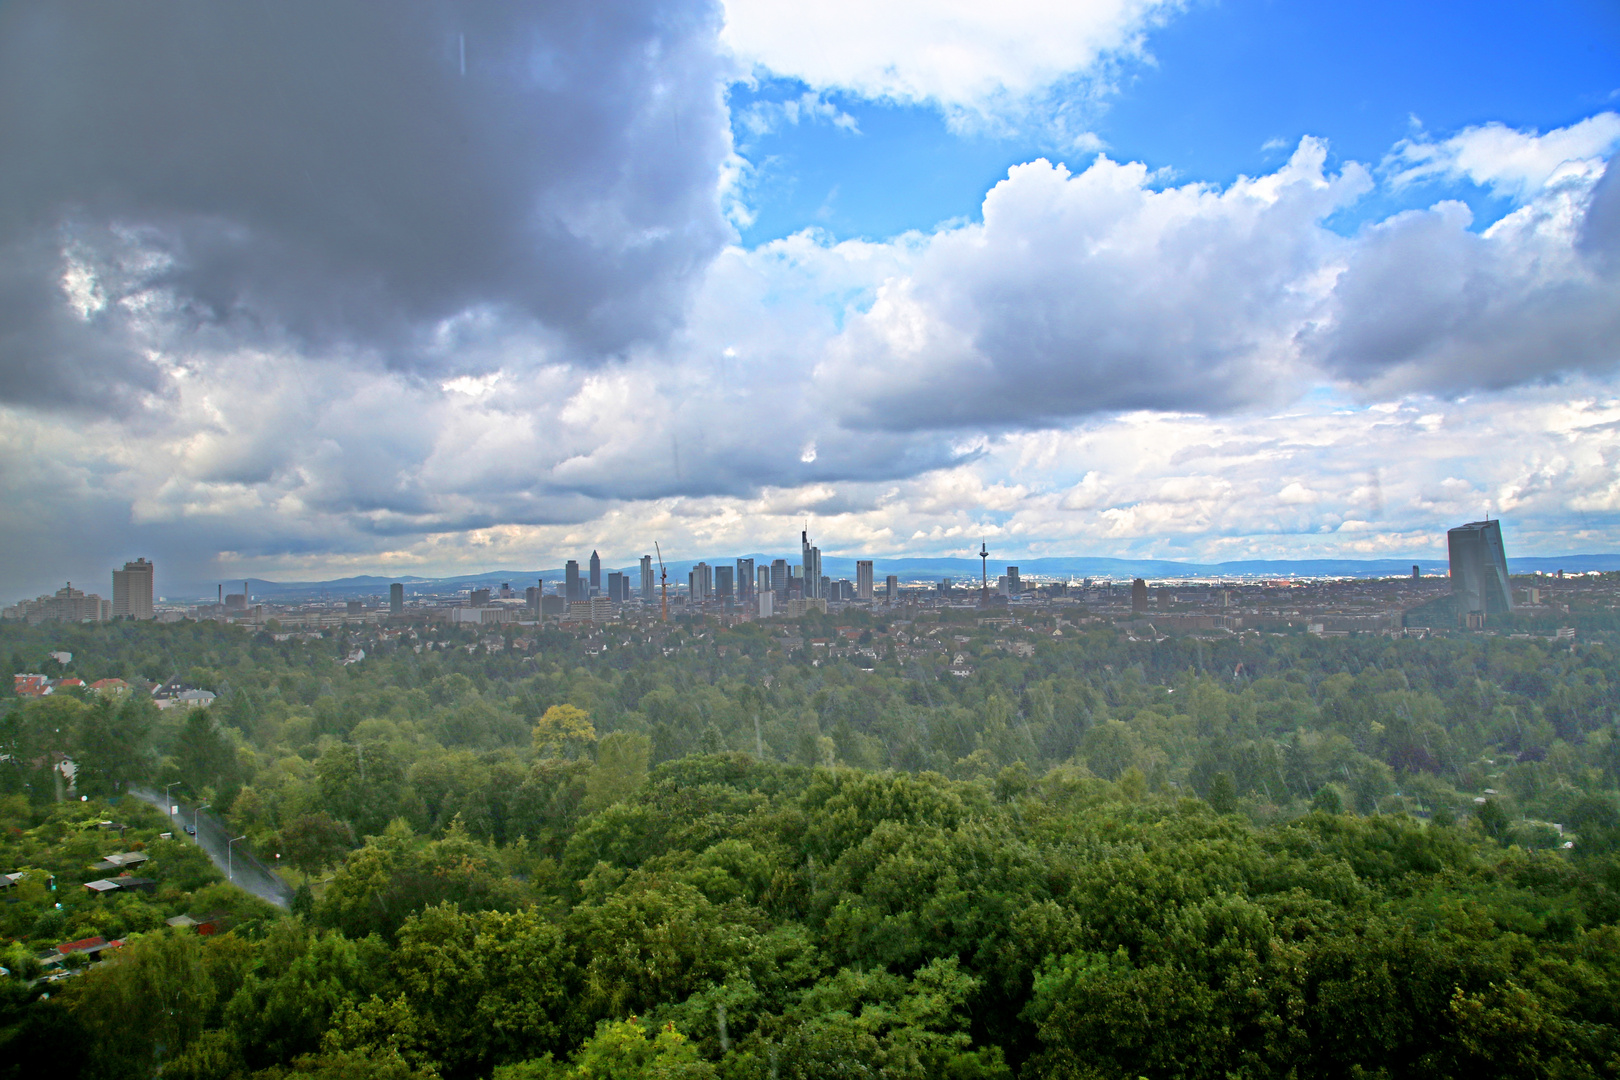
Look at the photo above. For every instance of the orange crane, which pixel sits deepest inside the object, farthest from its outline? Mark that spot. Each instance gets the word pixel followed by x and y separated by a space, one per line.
pixel 663 579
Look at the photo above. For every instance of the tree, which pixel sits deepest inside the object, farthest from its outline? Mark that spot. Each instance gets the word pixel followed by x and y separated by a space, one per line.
pixel 621 768
pixel 565 731
pixel 312 842
pixel 1222 793
pixel 110 750
pixel 1493 819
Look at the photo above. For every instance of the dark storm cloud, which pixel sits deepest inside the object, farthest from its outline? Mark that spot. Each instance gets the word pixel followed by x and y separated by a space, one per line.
pixel 330 172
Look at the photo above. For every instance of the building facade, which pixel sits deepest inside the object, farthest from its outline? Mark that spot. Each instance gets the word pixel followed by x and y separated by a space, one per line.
pixel 1479 573
pixel 132 591
pixel 863 579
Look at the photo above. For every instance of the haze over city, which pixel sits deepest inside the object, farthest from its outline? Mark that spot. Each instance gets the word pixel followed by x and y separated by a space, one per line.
pixel 300 292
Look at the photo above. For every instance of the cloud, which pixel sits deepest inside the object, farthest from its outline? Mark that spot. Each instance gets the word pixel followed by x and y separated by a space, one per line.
pixel 969 58
pixel 1094 292
pixel 346 180
pixel 1514 164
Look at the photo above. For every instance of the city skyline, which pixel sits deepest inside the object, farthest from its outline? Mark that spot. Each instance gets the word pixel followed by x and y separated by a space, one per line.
pixel 1149 281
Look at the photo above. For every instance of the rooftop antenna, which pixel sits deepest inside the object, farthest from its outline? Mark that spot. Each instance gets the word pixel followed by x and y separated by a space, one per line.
pixel 663 578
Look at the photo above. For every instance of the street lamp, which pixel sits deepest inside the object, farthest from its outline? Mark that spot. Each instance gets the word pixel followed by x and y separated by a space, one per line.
pixel 195 834
pixel 230 859
pixel 168 806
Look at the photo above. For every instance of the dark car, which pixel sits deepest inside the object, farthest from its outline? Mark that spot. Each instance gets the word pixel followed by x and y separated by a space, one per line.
pixel 191 830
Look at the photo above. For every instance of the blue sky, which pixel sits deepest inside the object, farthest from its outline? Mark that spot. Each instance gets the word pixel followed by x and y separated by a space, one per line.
pixel 295 296
pixel 1227 88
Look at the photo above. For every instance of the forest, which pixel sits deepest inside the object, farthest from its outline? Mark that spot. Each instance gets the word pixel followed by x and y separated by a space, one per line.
pixel 945 846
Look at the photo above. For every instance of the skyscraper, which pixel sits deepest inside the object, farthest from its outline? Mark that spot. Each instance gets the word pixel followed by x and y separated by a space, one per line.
pixel 1015 586
pixel 647 582
pixel 810 561
pixel 745 579
pixel 722 583
pixel 762 582
pixel 396 599
pixel 893 584
pixel 132 590
pixel 1139 596
pixel 571 587
pixel 1479 573
pixel 779 576
pixel 701 582
pixel 618 587
pixel 596 573
pixel 863 579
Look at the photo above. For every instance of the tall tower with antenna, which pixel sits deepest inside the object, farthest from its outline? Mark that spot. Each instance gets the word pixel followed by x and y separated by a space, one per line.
pixel 984 574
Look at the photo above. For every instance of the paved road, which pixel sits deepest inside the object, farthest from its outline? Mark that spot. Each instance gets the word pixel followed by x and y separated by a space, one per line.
pixel 243 867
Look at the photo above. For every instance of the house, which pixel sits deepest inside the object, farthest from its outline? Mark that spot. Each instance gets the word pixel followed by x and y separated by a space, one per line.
pixel 121 883
pixel 206 925
pixel 110 686
pixel 91 947
pixel 30 685
pixel 123 860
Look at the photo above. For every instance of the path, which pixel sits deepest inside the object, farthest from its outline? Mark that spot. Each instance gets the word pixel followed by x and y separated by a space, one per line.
pixel 245 870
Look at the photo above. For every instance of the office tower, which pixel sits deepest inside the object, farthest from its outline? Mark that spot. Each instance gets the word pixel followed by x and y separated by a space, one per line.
pixel 822 586
pixel 945 586
pixel 1015 586
pixel 722 582
pixel 478 598
pixel 571 588
pixel 531 597
pixel 1416 573
pixel 647 582
pixel 700 582
pixel 596 573
pixel 1139 596
pixel 396 599
pixel 893 584
pixel 767 600
pixel 132 590
pixel 745 579
pixel 762 582
pixel 863 579
pixel 618 587
pixel 810 561
pixel 1479 573
pixel 779 576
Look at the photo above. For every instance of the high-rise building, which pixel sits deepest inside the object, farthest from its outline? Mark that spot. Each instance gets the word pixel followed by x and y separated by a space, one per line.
pixel 532 595
pixel 1479 573
pixel 700 582
pixel 1139 596
pixel 478 598
pixel 571 588
pixel 762 581
pixel 893 584
pixel 618 587
pixel 722 583
pixel 810 562
pixel 745 579
pixel 596 573
pixel 647 582
pixel 1015 586
pixel 396 599
pixel 863 579
pixel 779 577
pixel 132 591
pixel 67 605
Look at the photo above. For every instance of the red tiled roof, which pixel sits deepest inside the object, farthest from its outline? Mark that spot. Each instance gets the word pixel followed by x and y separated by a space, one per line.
pixel 83 943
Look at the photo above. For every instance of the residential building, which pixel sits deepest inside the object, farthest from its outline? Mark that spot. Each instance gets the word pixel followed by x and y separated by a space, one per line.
pixel 132 591
pixel 67 604
pixel 863 579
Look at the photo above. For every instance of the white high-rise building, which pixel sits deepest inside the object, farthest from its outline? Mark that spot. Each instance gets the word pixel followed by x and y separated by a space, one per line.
pixel 863 579
pixel 647 582
pixel 132 591
pixel 810 564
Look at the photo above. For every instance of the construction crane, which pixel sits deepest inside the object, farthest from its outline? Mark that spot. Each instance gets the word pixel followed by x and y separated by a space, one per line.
pixel 663 580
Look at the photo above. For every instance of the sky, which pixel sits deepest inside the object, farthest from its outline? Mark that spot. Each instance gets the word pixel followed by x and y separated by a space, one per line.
pixel 297 292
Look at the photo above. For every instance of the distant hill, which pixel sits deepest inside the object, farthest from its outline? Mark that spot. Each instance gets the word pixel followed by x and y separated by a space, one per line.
pixel 907 569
